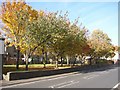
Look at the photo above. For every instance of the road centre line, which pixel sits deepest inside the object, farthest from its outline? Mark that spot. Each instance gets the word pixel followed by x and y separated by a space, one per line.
pixel 32 82
pixel 53 86
pixel 68 84
pixel 72 82
pixel 40 81
pixel 52 78
pixel 63 77
pixel 90 76
pixel 104 72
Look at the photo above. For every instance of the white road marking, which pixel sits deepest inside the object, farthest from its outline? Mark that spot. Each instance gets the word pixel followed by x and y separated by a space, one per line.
pixel 53 86
pixel 90 76
pixel 55 78
pixel 104 72
pixel 115 86
pixel 59 77
pixel 68 84
pixel 32 82
pixel 26 83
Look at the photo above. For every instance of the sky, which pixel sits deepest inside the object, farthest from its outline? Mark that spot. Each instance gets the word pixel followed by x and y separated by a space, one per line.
pixel 93 15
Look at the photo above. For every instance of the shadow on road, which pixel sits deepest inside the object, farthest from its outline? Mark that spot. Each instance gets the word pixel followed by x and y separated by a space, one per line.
pixel 94 68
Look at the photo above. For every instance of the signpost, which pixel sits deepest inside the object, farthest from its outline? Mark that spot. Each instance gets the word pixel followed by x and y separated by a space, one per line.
pixel 2 52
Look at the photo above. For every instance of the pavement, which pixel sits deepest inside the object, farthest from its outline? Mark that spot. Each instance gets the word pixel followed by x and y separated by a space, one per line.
pixel 97 78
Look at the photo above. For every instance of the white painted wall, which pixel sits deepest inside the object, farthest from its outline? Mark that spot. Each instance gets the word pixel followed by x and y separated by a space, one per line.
pixel 117 56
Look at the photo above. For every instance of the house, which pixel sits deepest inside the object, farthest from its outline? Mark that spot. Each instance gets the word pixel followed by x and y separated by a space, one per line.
pixel 10 55
pixel 116 57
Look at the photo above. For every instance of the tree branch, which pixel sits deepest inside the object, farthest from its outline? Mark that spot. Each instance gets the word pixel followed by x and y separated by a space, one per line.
pixel 39 45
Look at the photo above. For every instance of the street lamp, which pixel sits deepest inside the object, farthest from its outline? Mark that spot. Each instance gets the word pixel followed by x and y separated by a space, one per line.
pixel 2 52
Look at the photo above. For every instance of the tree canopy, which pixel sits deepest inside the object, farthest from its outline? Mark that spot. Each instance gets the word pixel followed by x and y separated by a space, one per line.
pixel 38 32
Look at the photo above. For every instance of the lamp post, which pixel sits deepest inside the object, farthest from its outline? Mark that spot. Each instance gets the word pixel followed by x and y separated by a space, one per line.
pixel 2 52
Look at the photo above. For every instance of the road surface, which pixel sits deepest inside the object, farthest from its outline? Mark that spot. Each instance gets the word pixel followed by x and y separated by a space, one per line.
pixel 101 78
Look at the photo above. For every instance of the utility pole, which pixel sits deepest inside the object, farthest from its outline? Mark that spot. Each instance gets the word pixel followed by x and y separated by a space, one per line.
pixel 2 52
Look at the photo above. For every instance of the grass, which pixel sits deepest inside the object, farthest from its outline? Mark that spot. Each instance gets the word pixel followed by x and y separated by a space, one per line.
pixel 31 65
pixel 8 68
pixel 35 65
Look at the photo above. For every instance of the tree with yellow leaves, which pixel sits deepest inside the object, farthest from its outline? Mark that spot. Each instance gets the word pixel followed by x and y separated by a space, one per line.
pixel 100 45
pixel 16 15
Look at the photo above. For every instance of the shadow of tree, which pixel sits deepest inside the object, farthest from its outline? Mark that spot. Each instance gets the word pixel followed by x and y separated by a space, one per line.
pixel 97 68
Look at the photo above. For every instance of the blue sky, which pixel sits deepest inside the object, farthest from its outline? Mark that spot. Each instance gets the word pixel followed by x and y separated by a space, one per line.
pixel 93 15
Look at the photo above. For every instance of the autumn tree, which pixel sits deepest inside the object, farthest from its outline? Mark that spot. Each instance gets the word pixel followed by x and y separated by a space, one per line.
pixel 45 31
pixel 38 32
pixel 16 15
pixel 71 42
pixel 100 44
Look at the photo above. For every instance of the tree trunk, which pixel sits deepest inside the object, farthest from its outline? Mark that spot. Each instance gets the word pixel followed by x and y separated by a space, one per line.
pixel 96 62
pixel 44 61
pixel 26 60
pixel 67 60
pixel 57 63
pixel 61 61
pixel 26 65
pixel 44 64
pixel 90 61
pixel 74 61
pixel 46 57
pixel 84 60
pixel 18 54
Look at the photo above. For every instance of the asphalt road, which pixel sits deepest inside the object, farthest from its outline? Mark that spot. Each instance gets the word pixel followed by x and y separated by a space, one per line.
pixel 100 78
